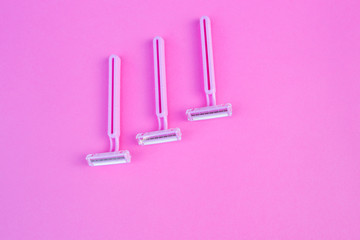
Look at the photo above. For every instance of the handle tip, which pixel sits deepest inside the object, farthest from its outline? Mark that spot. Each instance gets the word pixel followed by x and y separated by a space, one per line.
pixel 158 38
pixel 206 18
pixel 113 56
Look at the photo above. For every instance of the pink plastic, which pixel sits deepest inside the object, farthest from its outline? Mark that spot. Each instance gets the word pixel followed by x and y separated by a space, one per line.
pixel 115 156
pixel 164 134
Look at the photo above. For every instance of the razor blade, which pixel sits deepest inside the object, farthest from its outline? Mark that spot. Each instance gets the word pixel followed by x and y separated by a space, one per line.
pixel 109 158
pixel 202 113
pixel 162 136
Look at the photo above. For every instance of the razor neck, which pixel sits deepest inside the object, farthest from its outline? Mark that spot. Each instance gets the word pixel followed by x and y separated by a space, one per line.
pixel 114 144
pixel 211 99
pixel 163 123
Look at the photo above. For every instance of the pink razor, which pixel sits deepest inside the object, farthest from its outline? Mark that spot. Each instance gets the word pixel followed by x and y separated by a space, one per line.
pixel 115 156
pixel 164 134
pixel 211 110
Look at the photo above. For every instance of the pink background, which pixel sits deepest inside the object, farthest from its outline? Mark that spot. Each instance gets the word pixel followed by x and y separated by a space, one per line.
pixel 285 166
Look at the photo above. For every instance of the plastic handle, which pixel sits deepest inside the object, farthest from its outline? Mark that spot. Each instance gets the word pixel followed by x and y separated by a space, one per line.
pixel 160 82
pixel 208 60
pixel 114 101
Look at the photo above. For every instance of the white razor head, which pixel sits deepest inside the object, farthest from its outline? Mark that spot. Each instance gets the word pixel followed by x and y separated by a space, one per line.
pixel 224 110
pixel 109 158
pixel 162 136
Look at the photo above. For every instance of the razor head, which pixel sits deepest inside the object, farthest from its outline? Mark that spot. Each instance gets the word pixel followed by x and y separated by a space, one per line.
pixel 109 158
pixel 209 112
pixel 162 136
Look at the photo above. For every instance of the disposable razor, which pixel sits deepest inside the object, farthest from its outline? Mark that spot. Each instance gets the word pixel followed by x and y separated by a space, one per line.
pixel 115 156
pixel 211 110
pixel 163 134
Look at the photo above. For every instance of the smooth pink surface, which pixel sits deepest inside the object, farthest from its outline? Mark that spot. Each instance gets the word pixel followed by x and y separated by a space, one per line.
pixel 285 166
